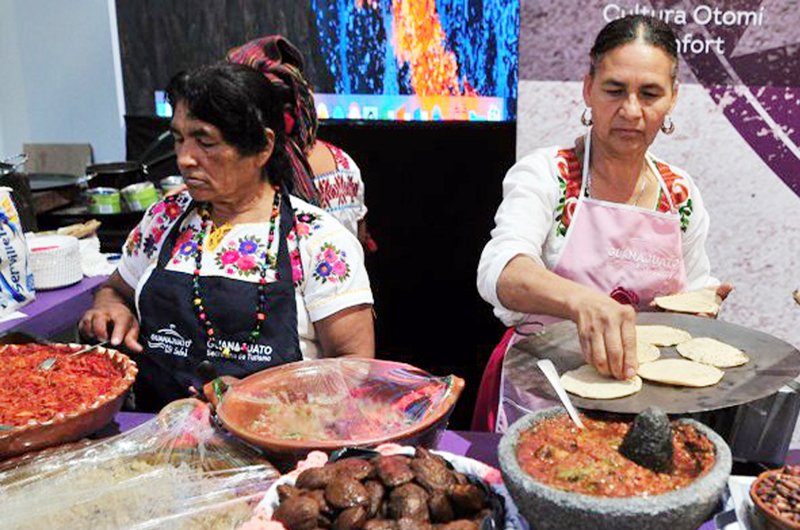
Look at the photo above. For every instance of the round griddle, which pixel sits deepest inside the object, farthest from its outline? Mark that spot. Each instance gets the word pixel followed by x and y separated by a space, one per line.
pixel 773 363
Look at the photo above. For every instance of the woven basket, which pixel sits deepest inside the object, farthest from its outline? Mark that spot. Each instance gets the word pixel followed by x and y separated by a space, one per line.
pixel 55 261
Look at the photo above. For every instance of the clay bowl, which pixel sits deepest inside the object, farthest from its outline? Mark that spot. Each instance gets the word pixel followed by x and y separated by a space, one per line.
pixel 551 508
pixel 765 514
pixel 427 400
pixel 74 425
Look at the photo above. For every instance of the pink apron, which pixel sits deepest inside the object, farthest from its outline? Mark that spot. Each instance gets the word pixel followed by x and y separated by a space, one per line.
pixel 632 254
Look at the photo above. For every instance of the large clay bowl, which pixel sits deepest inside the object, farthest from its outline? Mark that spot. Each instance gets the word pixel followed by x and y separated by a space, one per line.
pixel 238 415
pixel 75 425
pixel 550 508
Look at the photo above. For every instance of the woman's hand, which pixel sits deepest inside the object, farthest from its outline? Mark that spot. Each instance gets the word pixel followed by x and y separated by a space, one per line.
pixel 607 333
pixel 606 328
pixel 111 312
pixel 721 292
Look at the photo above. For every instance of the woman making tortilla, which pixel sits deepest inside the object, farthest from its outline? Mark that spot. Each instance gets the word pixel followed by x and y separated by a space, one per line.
pixel 234 270
pixel 571 218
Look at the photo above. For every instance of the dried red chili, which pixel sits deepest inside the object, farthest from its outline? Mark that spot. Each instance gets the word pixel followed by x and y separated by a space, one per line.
pixel 29 395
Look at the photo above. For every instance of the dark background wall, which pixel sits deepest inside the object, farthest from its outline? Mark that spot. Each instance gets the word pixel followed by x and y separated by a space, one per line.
pixel 431 187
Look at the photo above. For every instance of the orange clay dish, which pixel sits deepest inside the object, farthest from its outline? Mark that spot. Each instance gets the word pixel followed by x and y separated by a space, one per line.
pixel 557 453
pixel 29 396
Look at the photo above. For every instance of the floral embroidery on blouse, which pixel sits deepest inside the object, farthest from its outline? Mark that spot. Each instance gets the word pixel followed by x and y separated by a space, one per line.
pixel 678 190
pixel 186 245
pixel 134 241
pixel 305 223
pixel 243 256
pixel 331 265
pixel 569 182
pixel 163 214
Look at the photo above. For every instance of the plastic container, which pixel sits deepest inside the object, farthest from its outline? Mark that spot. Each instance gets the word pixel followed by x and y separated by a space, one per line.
pixel 104 200
pixel 55 261
pixel 140 196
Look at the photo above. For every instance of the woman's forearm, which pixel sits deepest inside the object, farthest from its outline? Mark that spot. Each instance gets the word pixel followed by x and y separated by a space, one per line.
pixel 606 328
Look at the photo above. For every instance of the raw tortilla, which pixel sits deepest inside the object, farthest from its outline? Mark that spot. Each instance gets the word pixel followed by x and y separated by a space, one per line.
pixel 646 352
pixel 702 301
pixel 589 383
pixel 661 335
pixel 711 351
pixel 680 372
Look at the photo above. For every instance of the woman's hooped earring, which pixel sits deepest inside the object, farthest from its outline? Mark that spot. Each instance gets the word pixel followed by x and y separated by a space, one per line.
pixel 668 126
pixel 586 117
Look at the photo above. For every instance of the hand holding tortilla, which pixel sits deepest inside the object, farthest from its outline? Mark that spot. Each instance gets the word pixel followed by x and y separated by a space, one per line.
pixel 711 351
pixel 681 372
pixel 704 301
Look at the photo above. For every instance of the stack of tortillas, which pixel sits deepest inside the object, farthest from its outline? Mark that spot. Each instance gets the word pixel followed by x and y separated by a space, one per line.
pixel 705 301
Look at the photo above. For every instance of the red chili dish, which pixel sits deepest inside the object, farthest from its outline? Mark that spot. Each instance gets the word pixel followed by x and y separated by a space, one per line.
pixel 557 453
pixel 29 395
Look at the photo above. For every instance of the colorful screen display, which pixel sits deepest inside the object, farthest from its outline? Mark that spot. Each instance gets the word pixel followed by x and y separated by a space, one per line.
pixel 417 59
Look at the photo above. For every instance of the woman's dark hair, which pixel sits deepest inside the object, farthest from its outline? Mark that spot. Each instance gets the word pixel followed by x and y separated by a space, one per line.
pixel 632 28
pixel 241 103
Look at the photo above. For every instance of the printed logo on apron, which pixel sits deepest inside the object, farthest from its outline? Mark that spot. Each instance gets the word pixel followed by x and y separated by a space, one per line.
pixel 169 341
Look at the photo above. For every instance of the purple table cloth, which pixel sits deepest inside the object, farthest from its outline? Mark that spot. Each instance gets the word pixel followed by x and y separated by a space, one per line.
pixel 55 311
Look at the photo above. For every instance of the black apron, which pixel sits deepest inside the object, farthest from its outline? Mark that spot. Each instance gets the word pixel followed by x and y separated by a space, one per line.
pixel 175 342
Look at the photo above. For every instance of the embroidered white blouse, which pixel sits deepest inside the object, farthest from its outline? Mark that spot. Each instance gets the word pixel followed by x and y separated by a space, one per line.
pixel 540 193
pixel 342 190
pixel 327 260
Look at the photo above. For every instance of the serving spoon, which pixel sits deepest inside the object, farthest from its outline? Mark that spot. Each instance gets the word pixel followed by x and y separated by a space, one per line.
pixel 51 361
pixel 549 370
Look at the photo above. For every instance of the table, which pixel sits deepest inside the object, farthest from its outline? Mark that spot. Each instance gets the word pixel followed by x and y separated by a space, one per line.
pixel 55 311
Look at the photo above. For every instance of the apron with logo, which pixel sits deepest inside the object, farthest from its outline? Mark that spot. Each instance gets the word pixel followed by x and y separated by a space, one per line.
pixel 629 253
pixel 175 342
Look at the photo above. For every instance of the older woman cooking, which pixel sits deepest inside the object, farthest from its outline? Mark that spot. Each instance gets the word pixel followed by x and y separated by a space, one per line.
pixel 235 270
pixel 593 232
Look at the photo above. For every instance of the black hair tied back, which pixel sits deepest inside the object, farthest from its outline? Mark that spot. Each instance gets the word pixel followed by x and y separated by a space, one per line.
pixel 241 103
pixel 632 28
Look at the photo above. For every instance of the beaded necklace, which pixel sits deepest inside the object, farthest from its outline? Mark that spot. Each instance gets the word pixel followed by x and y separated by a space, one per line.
pixel 261 315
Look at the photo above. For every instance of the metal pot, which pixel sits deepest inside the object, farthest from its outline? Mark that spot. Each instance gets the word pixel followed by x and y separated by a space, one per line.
pixel 121 174
pixel 115 174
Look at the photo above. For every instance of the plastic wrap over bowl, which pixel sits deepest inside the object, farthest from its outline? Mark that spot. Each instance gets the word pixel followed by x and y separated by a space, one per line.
pixel 328 404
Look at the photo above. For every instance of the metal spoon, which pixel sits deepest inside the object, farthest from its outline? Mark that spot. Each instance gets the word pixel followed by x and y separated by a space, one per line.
pixel 549 370
pixel 51 361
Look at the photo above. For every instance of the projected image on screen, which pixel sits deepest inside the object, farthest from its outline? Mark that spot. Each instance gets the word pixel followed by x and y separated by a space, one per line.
pixel 418 59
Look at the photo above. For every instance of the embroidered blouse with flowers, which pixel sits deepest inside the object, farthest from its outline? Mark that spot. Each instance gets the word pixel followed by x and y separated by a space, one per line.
pixel 341 191
pixel 540 193
pixel 327 260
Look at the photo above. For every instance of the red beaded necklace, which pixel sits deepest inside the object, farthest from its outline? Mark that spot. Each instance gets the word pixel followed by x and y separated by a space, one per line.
pixel 200 306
